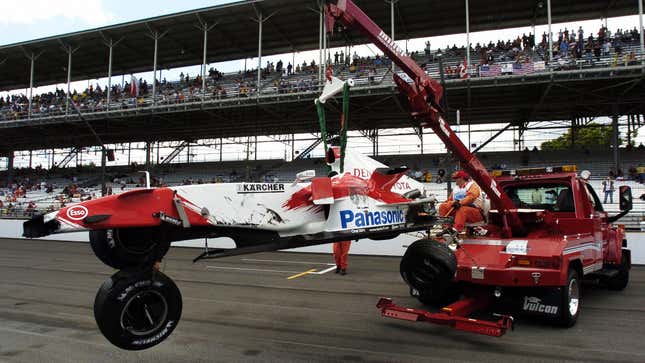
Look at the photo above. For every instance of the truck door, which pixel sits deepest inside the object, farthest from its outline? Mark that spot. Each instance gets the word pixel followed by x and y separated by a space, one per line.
pixel 599 222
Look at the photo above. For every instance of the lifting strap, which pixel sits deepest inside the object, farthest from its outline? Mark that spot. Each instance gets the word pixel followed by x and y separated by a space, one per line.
pixel 344 121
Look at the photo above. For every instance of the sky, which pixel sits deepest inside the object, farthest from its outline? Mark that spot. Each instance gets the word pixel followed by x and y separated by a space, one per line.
pixel 33 19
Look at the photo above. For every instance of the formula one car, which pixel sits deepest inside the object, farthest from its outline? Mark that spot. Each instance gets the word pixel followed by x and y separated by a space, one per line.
pixel 139 306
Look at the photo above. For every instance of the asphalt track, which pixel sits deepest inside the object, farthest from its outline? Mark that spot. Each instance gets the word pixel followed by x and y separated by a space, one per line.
pixel 245 308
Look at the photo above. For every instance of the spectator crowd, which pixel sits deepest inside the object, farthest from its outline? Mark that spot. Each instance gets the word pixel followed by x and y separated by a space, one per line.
pixel 569 45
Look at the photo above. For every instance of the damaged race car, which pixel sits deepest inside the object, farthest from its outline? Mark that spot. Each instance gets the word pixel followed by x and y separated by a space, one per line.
pixel 139 306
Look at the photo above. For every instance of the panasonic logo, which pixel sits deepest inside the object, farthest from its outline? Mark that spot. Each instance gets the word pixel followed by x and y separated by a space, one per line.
pixel 534 304
pixel 352 219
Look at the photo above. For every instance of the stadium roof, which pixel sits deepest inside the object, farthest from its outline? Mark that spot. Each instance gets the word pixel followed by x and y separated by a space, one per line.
pixel 292 26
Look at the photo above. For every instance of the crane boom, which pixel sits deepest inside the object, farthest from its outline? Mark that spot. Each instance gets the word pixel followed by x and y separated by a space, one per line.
pixel 424 96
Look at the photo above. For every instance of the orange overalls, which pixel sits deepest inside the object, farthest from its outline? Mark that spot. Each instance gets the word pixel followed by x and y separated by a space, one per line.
pixel 469 212
pixel 341 251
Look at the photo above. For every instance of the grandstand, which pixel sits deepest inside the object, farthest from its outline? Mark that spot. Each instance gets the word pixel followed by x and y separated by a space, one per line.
pixel 569 80
pixel 123 178
pixel 369 71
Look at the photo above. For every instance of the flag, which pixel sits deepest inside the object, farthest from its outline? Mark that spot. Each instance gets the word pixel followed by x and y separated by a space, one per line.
pixel 463 70
pixel 489 70
pixel 134 86
pixel 522 68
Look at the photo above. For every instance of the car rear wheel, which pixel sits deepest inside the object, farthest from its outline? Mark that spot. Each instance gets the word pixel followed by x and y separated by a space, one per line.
pixel 128 247
pixel 428 267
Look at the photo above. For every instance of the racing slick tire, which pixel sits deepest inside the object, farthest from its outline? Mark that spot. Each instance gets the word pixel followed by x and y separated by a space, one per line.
pixel 137 310
pixel 126 248
pixel 620 281
pixel 570 300
pixel 429 267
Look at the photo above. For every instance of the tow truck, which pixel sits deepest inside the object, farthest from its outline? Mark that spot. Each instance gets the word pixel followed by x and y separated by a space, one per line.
pixel 544 229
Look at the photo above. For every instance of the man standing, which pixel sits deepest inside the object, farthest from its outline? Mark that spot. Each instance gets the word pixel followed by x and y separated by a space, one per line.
pixel 465 202
pixel 341 251
pixel 608 188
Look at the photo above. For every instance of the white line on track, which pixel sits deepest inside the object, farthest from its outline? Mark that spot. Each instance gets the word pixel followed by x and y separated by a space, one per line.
pixel 249 269
pixel 324 271
pixel 295 262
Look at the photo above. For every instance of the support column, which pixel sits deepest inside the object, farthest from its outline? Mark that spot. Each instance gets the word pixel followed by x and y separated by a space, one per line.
pixel 155 35
pixel 103 166
pixel 640 31
pixel 109 90
pixel 293 147
pixel 31 83
pixel 548 15
pixel 323 65
pixel 204 61
pixel 154 71
pixel 147 154
pixel 69 51
pixel 260 21
pixel 574 129
pixel 30 158
pixel 614 125
pixel 372 135
pixel 392 3
pixel 467 37
pixel 10 168
pixel 320 45
pixel 110 44
pixel 205 28
pixel 221 147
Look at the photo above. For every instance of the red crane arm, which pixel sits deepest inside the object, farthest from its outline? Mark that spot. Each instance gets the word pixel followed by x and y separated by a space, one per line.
pixel 424 95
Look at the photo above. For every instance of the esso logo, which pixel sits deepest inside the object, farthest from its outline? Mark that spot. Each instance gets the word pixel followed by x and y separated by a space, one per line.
pixel 77 212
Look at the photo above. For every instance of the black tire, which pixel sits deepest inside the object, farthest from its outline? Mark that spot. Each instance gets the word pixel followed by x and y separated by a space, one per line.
pixel 620 281
pixel 429 267
pixel 126 248
pixel 571 300
pixel 137 310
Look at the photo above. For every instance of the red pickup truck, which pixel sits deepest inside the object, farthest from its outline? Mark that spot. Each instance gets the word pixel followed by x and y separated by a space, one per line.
pixel 568 237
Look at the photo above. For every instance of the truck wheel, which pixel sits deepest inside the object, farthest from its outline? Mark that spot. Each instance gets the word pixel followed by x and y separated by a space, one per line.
pixel 125 248
pixel 620 281
pixel 137 310
pixel 571 300
pixel 429 267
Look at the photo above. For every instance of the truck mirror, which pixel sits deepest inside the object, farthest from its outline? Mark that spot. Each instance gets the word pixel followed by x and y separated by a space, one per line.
pixel 625 198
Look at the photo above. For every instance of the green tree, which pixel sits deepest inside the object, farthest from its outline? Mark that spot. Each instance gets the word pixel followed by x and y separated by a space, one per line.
pixel 594 137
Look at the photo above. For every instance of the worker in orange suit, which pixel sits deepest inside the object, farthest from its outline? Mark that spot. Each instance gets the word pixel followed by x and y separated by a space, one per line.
pixel 464 203
pixel 341 251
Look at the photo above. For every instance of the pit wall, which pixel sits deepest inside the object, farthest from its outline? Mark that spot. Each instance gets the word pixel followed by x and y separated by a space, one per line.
pixel 12 228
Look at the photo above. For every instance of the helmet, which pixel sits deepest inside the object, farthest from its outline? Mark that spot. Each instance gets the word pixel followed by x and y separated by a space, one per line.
pixel 460 174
